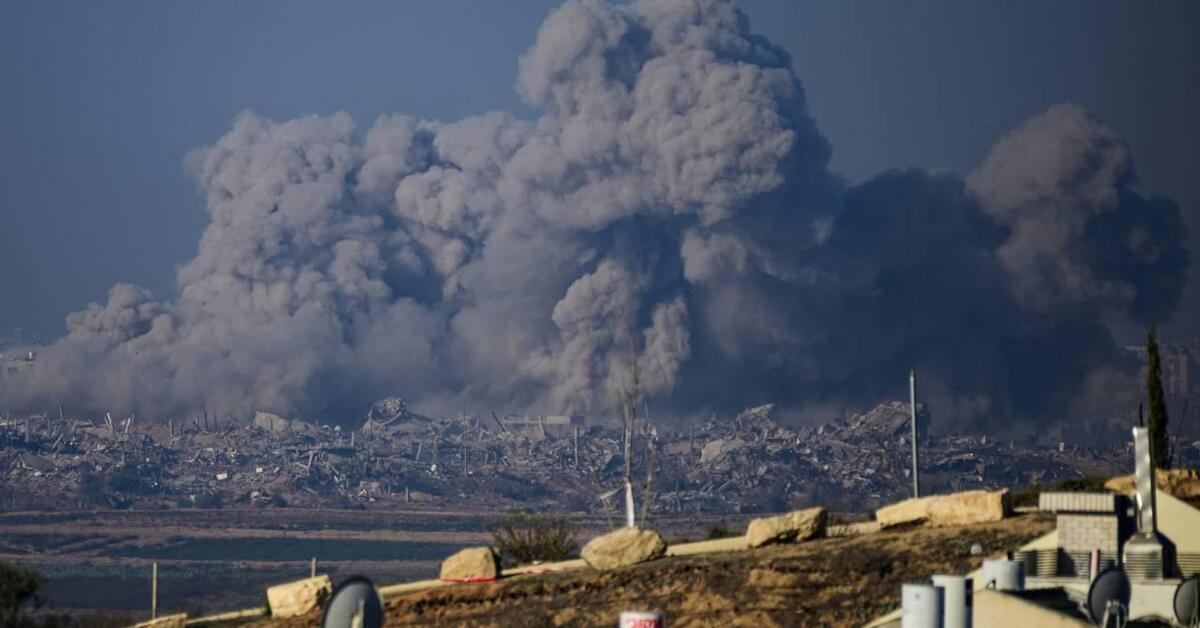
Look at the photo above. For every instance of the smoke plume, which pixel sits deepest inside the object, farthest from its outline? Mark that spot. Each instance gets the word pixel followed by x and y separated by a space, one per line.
pixel 671 210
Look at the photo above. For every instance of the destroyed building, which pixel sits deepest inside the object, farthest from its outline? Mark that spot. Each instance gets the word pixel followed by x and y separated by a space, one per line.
pixel 398 459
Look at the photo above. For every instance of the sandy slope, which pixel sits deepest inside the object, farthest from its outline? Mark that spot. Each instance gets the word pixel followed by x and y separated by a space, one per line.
pixel 832 582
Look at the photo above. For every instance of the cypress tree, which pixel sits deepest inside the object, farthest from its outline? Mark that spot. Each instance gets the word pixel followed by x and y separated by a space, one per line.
pixel 1159 445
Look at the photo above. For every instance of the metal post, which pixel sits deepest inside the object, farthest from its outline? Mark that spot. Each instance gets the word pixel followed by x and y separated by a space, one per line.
pixel 912 396
pixel 153 590
pixel 312 572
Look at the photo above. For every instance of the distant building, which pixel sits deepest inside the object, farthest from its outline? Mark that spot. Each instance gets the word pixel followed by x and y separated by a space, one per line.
pixel 1178 366
pixel 548 425
pixel 14 365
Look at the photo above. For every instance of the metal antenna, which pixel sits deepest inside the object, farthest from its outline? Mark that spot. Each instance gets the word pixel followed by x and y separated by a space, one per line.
pixel 912 397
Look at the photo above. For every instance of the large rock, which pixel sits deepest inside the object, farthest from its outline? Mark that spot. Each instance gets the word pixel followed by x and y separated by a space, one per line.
pixel 913 510
pixel 474 564
pixel 1182 483
pixel 958 509
pixel 627 546
pixel 300 597
pixel 954 509
pixel 167 621
pixel 800 525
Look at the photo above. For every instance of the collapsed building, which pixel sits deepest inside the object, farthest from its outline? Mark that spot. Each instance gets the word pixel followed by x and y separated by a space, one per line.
pixel 396 458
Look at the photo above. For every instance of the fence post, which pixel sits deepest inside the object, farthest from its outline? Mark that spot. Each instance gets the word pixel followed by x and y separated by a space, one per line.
pixel 154 591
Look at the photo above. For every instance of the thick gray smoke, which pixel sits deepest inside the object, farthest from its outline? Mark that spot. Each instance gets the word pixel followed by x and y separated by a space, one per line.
pixel 671 208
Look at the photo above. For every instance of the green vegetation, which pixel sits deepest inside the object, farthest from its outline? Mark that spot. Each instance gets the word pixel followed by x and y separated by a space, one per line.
pixel 1028 496
pixel 526 538
pixel 17 587
pixel 1085 484
pixel 1160 446
pixel 720 532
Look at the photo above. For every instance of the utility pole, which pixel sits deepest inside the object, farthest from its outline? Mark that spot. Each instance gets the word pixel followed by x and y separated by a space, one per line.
pixel 912 397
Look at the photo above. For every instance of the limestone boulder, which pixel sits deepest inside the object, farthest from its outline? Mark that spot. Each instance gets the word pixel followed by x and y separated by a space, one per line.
pixel 799 525
pixel 955 509
pixel 968 507
pixel 300 597
pixel 909 511
pixel 167 621
pixel 474 564
pixel 627 546
pixel 1182 483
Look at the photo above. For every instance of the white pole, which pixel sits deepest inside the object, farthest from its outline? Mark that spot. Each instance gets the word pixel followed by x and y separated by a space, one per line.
pixel 912 396
pixel 629 523
pixel 154 590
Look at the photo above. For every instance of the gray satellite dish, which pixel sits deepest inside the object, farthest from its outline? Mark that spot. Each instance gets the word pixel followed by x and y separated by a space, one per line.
pixel 1187 602
pixel 354 604
pixel 1108 598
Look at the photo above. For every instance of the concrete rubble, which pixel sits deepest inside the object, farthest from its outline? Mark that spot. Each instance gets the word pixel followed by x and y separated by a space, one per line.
pixel 398 459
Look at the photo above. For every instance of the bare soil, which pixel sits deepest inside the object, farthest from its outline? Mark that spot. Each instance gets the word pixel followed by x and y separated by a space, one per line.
pixel 830 582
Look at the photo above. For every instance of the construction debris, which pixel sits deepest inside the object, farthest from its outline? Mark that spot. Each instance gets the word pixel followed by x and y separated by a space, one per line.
pixel 398 458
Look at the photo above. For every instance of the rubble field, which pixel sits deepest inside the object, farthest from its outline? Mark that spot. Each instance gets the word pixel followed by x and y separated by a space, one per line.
pixel 399 460
pixel 828 582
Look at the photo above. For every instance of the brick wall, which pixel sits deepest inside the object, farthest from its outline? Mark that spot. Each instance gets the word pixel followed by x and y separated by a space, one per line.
pixel 1079 534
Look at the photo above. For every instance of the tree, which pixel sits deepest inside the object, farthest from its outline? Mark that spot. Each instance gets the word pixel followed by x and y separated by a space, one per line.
pixel 17 586
pixel 1160 446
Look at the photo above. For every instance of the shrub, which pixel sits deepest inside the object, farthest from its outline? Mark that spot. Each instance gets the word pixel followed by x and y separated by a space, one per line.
pixel 526 538
pixel 209 500
pixel 720 532
pixel 1085 484
pixel 17 586
pixel 1026 497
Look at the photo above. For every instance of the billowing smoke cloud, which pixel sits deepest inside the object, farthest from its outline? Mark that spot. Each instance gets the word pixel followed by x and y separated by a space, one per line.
pixel 671 209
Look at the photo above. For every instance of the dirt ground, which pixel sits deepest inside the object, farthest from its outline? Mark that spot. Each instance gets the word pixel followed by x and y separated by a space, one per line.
pixel 830 582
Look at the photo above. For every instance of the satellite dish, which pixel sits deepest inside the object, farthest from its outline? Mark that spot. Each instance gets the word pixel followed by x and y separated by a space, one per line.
pixel 1187 602
pixel 1108 597
pixel 355 604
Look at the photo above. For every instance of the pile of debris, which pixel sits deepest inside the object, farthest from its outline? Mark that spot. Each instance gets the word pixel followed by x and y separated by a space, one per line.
pixel 746 464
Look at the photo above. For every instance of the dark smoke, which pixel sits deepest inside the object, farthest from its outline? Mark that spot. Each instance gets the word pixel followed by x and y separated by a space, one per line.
pixel 672 205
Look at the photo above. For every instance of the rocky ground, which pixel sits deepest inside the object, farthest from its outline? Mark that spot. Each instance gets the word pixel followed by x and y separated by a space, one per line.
pixel 829 582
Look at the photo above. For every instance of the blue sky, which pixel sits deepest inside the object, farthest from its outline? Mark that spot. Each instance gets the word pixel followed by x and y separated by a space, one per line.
pixel 101 101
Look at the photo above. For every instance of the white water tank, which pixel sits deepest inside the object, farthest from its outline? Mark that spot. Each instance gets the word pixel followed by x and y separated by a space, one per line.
pixel 957 597
pixel 920 606
pixel 1004 575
